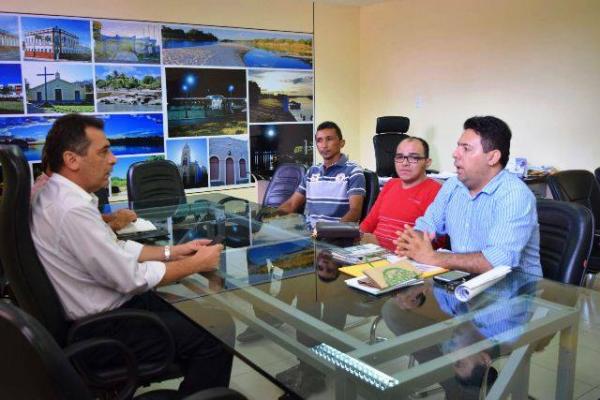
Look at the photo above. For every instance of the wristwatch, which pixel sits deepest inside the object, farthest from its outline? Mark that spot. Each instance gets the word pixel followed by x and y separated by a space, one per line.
pixel 167 253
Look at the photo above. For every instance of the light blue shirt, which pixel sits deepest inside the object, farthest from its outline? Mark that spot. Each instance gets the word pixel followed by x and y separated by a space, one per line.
pixel 500 221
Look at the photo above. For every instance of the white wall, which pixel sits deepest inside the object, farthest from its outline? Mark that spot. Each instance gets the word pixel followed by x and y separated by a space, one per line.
pixel 534 63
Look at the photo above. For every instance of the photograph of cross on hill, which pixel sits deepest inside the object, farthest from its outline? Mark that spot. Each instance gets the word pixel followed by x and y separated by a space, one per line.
pixel 126 42
pixel 56 39
pixel 11 89
pixel 9 38
pixel 125 88
pixel 206 102
pixel 280 96
pixel 271 145
pixel 134 133
pixel 209 46
pixel 58 88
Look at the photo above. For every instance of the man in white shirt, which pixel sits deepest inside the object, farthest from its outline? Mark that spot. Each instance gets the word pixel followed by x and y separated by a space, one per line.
pixel 93 272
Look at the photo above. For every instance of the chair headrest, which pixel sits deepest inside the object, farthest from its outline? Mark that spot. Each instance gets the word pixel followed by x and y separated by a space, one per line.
pixel 392 124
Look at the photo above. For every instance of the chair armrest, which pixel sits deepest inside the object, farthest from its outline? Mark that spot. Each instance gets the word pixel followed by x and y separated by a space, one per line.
pixel 219 393
pixel 127 389
pixel 231 199
pixel 77 332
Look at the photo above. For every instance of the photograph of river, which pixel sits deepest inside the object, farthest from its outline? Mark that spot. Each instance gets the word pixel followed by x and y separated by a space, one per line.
pixel 280 96
pixel 134 133
pixel 209 46
pixel 128 88
pixel 206 102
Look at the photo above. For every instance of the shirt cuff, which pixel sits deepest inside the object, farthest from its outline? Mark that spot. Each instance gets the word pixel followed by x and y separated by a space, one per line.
pixel 498 257
pixel 133 248
pixel 155 270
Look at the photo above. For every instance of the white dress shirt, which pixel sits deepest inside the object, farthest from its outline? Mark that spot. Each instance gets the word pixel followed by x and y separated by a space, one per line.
pixel 90 269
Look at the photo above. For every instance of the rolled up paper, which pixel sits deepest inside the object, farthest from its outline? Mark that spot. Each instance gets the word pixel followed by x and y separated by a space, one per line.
pixel 473 287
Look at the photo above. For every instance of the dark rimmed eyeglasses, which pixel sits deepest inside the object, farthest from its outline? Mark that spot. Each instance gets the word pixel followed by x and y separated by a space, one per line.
pixel 399 158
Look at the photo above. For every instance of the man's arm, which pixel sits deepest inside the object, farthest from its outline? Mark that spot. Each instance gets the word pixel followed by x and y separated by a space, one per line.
pixel 353 215
pixel 417 245
pixel 157 253
pixel 292 204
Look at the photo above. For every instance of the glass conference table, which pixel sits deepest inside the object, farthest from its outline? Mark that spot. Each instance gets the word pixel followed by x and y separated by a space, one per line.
pixel 275 278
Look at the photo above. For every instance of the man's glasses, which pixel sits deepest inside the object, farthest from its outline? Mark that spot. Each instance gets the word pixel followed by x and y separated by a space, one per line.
pixel 399 158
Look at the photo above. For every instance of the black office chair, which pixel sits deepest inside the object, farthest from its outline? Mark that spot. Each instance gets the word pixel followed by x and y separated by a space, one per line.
pixel 34 367
pixel 566 234
pixel 35 293
pixel 283 184
pixel 102 196
pixel 581 187
pixel 597 174
pixel 154 183
pixel 389 131
pixel 372 191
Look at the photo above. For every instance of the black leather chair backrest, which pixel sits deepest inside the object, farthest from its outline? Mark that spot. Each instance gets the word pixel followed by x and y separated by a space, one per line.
pixel 372 191
pixel 566 233
pixel 389 131
pixel 597 174
pixel 154 183
pixel 26 274
pixel 577 186
pixel 284 182
pixel 102 195
pixel 33 366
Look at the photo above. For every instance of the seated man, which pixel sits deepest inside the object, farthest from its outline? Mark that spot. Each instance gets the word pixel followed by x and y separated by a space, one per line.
pixel 333 190
pixel 489 213
pixel 402 199
pixel 93 272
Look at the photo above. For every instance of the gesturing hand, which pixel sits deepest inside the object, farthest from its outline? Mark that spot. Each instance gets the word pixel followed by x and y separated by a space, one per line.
pixel 188 248
pixel 415 245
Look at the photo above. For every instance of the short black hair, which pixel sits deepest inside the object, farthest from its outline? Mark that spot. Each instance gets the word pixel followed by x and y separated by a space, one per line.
pixel 330 125
pixel 67 134
pixel 495 135
pixel 423 142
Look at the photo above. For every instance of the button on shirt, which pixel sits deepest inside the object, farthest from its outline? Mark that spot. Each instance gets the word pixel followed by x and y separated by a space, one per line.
pixel 328 190
pixel 500 221
pixel 89 268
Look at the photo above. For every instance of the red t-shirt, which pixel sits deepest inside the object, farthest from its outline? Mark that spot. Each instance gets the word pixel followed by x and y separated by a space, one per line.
pixel 396 207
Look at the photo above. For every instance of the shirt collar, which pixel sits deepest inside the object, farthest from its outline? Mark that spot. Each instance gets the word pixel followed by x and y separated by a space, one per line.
pixel 341 162
pixel 490 187
pixel 73 187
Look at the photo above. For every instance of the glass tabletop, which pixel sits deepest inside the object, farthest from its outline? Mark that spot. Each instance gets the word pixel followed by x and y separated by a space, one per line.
pixel 276 280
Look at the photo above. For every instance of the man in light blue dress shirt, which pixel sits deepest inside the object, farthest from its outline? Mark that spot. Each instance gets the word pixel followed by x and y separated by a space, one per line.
pixel 489 214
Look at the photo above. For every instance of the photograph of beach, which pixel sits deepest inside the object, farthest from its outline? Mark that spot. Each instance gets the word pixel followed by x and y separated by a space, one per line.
pixel 128 88
pixel 58 87
pixel 271 145
pixel 9 38
pixel 29 133
pixel 126 42
pixel 209 46
pixel 56 39
pixel 190 157
pixel 11 89
pixel 118 177
pixel 280 96
pixel 206 102
pixel 134 133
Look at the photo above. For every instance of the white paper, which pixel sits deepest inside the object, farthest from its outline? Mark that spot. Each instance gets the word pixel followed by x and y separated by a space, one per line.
pixel 354 282
pixel 473 287
pixel 139 225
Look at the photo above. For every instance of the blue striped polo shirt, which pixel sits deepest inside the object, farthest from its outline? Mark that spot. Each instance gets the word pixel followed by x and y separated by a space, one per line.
pixel 500 221
pixel 328 190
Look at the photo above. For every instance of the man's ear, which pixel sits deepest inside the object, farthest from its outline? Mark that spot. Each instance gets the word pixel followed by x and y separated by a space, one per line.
pixel 71 160
pixel 427 163
pixel 342 143
pixel 494 157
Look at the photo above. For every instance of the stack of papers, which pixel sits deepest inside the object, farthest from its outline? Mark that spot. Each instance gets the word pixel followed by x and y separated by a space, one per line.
pixel 426 271
pixel 386 278
pixel 473 287
pixel 139 225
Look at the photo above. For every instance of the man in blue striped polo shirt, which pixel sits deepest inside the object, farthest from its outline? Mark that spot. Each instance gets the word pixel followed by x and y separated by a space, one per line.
pixel 333 190
pixel 489 213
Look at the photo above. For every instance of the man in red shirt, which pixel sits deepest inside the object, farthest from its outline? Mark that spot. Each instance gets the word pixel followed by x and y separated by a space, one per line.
pixel 402 199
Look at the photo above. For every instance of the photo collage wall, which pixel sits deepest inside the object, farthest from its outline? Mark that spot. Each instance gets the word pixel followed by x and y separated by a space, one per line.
pixel 221 103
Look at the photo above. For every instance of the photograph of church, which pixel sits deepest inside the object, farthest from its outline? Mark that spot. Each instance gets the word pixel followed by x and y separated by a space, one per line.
pixel 9 38
pixel 56 39
pixel 58 88
pixel 228 159
pixel 190 157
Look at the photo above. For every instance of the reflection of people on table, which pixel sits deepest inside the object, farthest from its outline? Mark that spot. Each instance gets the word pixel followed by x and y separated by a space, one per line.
pixel 502 310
